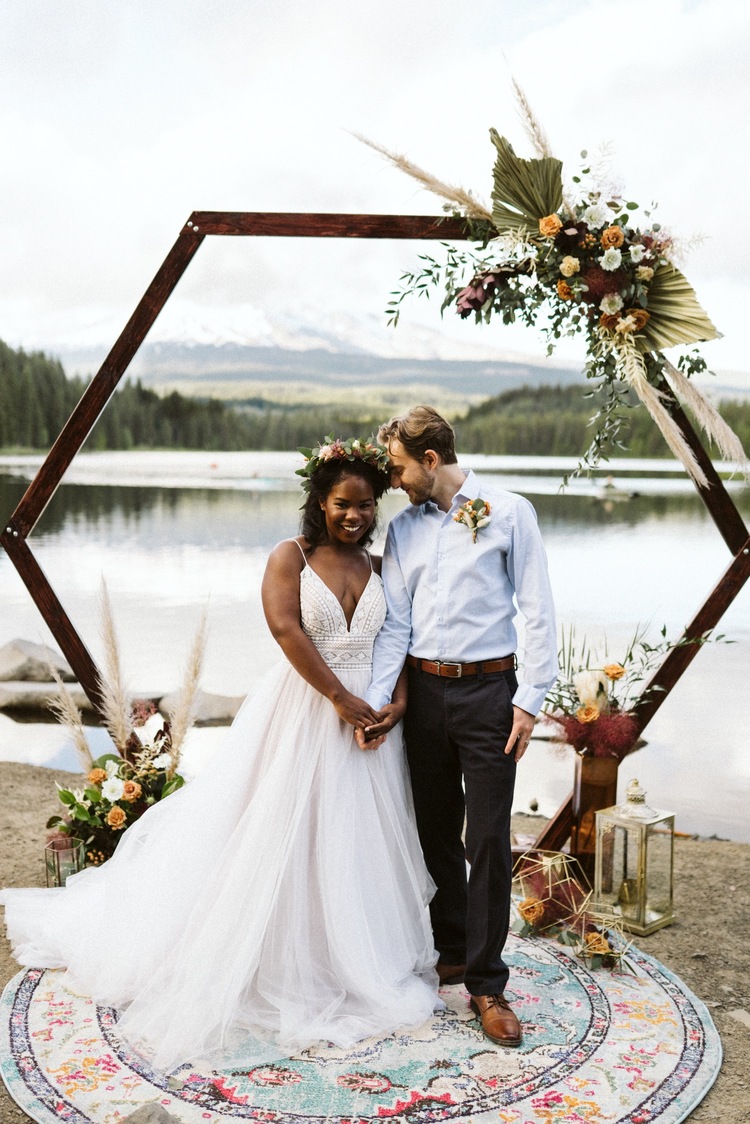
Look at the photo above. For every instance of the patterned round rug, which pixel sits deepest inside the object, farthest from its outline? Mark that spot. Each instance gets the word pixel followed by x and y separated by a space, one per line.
pixel 598 1046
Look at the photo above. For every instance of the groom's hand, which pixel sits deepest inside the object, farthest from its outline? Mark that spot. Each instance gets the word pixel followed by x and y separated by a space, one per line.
pixel 374 735
pixel 520 734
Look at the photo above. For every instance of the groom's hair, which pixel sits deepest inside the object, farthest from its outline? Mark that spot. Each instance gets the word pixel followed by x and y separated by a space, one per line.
pixel 420 429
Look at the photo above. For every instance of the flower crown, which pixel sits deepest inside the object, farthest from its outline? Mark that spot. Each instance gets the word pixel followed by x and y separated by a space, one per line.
pixel 334 449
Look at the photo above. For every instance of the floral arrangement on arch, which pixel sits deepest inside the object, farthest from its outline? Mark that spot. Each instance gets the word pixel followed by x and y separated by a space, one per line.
pixel 587 261
pixel 593 701
pixel 119 787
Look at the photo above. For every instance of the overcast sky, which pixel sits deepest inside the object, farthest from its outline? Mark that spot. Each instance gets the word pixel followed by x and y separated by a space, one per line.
pixel 118 119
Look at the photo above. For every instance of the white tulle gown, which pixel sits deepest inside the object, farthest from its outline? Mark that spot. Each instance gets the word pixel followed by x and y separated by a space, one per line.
pixel 277 901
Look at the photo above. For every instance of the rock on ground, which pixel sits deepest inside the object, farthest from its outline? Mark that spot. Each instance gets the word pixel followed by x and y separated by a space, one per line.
pixel 20 659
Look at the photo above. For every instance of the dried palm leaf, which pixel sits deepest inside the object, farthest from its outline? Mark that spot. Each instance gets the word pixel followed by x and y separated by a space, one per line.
pixel 524 190
pixel 676 315
pixel 463 200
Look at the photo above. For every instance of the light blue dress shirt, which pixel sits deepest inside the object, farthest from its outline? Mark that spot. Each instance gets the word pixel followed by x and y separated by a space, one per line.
pixel 452 599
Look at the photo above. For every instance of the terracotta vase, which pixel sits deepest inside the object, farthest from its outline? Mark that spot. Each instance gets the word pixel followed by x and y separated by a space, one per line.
pixel 595 787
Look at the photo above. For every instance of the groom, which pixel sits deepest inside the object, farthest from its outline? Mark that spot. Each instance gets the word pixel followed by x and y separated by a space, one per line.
pixel 450 584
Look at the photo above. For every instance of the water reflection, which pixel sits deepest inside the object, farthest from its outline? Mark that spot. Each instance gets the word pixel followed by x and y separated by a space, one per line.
pixel 165 551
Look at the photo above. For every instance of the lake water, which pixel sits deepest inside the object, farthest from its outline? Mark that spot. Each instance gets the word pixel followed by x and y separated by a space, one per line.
pixel 173 532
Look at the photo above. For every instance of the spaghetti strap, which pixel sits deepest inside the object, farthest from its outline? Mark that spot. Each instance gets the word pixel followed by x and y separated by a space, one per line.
pixel 369 559
pixel 304 556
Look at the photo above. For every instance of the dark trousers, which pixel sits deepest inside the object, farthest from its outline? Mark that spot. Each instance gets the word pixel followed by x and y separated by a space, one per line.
pixel 454 729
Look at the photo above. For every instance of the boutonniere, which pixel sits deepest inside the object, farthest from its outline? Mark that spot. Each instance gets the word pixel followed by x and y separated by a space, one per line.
pixel 475 514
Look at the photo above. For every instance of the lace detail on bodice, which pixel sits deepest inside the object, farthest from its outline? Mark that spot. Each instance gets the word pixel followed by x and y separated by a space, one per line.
pixel 324 622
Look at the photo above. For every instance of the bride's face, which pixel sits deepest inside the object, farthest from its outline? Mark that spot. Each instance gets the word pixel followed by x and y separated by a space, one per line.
pixel 349 509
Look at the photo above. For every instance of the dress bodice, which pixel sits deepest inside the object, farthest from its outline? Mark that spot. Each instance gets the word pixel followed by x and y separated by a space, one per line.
pixel 324 622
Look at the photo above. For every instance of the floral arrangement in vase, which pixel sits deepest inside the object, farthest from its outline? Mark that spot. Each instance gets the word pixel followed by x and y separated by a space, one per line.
pixel 120 786
pixel 593 701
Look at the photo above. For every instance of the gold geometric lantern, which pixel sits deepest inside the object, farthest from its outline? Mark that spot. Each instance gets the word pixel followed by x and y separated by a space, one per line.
pixel 635 863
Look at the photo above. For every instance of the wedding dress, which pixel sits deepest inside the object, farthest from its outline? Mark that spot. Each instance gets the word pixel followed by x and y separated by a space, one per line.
pixel 277 901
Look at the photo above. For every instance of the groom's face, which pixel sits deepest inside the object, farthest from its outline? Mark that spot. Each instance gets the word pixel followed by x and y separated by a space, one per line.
pixel 411 475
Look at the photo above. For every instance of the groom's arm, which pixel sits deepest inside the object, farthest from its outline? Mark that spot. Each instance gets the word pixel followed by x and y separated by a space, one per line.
pixel 392 642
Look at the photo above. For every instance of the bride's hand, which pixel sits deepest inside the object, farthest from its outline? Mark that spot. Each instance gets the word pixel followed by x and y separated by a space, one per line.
pixel 354 710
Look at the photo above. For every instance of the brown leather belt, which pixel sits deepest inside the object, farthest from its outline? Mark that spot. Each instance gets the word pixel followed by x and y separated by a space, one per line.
pixel 450 670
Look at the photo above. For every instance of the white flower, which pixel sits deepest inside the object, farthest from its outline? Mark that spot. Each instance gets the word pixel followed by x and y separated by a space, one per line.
pixel 598 214
pixel 589 685
pixel 611 259
pixel 570 265
pixel 162 761
pixel 636 252
pixel 644 273
pixel 113 788
pixel 611 304
pixel 146 733
pixel 111 767
pixel 626 325
pixel 325 451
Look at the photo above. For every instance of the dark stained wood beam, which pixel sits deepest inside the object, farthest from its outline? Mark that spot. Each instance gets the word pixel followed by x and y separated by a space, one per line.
pixel 55 617
pixel 283 224
pixel 708 616
pixel 718 502
pixel 100 389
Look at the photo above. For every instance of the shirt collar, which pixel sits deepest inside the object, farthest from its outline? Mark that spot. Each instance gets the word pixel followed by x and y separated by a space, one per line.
pixel 469 490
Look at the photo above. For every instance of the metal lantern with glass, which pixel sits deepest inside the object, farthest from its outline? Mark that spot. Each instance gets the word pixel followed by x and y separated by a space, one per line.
pixel 633 877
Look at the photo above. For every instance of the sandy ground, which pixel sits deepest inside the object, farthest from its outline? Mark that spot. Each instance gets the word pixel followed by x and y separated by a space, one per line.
pixel 708 946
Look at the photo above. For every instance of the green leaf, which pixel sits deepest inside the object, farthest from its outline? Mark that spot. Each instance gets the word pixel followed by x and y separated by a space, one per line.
pixel 524 190
pixel 676 315
pixel 92 794
pixel 81 813
pixel 53 821
pixel 66 796
pixel 101 762
pixel 171 786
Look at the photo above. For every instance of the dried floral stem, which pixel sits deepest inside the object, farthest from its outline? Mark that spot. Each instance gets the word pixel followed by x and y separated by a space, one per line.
pixel 709 418
pixel 467 203
pixel 66 711
pixel 634 373
pixel 535 133
pixel 116 702
pixel 183 715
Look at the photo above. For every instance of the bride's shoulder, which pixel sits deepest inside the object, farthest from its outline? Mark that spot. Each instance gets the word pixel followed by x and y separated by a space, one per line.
pixel 289 554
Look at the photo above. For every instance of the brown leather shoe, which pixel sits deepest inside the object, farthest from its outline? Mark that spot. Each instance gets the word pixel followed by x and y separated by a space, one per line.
pixel 451 973
pixel 498 1021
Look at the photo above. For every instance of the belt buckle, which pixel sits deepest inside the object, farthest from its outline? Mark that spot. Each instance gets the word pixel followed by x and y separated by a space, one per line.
pixel 448 663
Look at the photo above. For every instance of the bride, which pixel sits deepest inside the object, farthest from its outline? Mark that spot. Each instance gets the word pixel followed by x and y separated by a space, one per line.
pixel 279 900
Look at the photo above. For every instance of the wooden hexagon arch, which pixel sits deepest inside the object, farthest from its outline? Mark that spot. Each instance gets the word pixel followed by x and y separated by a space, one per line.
pixel 19 527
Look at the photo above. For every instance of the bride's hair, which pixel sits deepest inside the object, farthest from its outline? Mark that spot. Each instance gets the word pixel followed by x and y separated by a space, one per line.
pixel 313 522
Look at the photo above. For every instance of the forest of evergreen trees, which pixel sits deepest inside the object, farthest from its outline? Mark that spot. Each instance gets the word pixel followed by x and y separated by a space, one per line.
pixel 36 399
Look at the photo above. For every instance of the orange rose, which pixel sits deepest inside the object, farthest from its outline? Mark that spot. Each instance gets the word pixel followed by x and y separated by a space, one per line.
pixel 131 790
pixel 612 237
pixel 564 291
pixel 116 818
pixel 609 322
pixel 96 776
pixel 640 316
pixel 614 670
pixel 588 713
pixel 550 226
pixel 531 910
pixel 597 944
